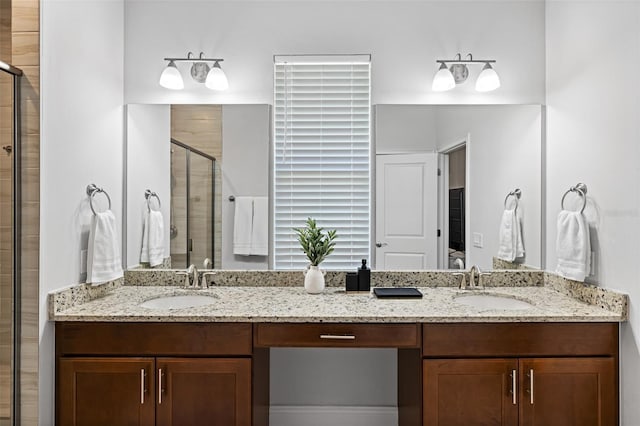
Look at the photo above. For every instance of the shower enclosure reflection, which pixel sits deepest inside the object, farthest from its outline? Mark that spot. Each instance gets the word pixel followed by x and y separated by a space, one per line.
pixel 192 205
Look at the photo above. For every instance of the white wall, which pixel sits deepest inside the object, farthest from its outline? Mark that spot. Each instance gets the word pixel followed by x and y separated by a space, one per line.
pixel 404 37
pixel 81 143
pixel 504 153
pixel 593 134
pixel 245 171
pixel 403 129
pixel 148 167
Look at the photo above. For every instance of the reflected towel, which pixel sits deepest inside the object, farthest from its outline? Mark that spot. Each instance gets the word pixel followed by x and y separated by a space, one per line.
pixel 103 255
pixel 242 226
pixel 153 238
pixel 511 246
pixel 573 246
pixel 260 227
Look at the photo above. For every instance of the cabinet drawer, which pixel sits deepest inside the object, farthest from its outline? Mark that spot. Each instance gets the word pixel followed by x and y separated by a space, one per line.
pixel 154 339
pixel 519 339
pixel 337 335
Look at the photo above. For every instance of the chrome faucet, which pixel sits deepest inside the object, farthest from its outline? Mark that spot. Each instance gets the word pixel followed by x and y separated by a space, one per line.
pixel 203 279
pixel 475 277
pixel 191 276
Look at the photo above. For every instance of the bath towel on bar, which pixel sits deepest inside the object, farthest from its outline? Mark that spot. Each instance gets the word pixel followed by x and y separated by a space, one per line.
pixel 153 238
pixel 103 255
pixel 511 245
pixel 573 246
pixel 260 227
pixel 242 226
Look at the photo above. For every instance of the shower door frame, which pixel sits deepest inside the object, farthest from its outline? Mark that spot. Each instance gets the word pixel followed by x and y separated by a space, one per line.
pixel 189 150
pixel 16 234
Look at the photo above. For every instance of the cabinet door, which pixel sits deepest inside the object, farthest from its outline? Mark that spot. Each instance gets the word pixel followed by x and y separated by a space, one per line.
pixel 470 392
pixel 198 391
pixel 568 392
pixel 106 391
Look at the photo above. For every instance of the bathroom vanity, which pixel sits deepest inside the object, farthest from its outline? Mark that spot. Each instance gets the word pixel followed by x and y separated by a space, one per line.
pixel 117 363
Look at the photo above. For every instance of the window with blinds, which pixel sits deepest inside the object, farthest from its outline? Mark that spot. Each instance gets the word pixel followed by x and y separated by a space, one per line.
pixel 322 158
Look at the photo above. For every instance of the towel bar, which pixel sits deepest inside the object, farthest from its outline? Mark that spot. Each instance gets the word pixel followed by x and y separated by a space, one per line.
pixel 92 190
pixel 581 190
pixel 148 194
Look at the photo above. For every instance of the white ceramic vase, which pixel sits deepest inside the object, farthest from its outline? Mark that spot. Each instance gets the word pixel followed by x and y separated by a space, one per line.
pixel 314 280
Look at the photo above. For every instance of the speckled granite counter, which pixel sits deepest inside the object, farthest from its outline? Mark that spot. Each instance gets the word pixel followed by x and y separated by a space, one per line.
pixel 293 304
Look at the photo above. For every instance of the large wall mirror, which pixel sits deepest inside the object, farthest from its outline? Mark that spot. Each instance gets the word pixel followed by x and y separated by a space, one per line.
pixel 466 159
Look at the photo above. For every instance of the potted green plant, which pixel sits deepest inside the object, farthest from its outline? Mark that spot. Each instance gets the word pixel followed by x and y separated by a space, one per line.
pixel 317 245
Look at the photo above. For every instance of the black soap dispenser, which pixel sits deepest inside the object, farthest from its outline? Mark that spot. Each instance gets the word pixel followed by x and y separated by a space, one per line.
pixel 364 277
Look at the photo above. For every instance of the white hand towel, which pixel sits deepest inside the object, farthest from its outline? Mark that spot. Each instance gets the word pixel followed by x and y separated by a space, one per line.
pixel 260 227
pixel 103 255
pixel 242 226
pixel 573 246
pixel 510 243
pixel 153 238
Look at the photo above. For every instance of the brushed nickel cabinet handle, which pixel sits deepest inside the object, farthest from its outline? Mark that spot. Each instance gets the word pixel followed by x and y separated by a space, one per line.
pixel 338 336
pixel 142 389
pixel 531 385
pixel 159 386
pixel 513 387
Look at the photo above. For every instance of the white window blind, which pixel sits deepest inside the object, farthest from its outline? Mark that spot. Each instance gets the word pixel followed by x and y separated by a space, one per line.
pixel 322 158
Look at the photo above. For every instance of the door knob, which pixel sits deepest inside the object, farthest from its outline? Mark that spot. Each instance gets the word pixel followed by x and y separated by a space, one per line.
pixel 378 244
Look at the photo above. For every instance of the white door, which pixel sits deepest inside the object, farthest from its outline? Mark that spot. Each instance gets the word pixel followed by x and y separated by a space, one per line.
pixel 407 211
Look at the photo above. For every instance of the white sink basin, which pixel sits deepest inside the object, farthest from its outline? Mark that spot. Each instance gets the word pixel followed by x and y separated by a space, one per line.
pixel 488 301
pixel 178 302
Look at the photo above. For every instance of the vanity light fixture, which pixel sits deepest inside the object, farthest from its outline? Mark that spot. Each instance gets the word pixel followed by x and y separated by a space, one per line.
pixel 212 76
pixel 446 78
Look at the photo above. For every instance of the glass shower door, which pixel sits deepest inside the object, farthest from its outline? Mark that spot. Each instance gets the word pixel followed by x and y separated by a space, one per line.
pixel 192 206
pixel 9 237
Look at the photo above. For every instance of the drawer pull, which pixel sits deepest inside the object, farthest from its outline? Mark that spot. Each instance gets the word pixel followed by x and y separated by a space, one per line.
pixel 338 336
pixel 513 387
pixel 159 386
pixel 142 387
pixel 531 385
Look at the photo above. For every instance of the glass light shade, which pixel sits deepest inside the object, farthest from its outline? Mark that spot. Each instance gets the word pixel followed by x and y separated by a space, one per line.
pixel 216 79
pixel 488 79
pixel 171 77
pixel 443 80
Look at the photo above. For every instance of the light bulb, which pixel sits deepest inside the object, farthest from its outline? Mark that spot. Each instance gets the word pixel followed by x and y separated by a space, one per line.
pixel 171 77
pixel 216 79
pixel 443 80
pixel 488 79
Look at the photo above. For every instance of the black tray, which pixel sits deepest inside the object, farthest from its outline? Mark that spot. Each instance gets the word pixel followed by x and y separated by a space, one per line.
pixel 397 292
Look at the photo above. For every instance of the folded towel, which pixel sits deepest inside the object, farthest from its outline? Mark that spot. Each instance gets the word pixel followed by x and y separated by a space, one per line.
pixel 242 226
pixel 510 243
pixel 260 227
pixel 103 255
pixel 573 246
pixel 153 238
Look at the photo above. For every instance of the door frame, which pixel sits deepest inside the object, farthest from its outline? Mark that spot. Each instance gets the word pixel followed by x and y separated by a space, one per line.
pixel 443 199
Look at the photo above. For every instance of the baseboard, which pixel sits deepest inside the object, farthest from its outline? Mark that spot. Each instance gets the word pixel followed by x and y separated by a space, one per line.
pixel 285 415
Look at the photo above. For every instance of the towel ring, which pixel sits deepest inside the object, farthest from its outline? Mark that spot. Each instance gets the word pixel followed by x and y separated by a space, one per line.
pixel 92 190
pixel 581 190
pixel 148 194
pixel 516 193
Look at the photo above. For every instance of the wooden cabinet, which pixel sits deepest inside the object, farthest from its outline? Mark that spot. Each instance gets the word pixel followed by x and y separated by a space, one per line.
pixel 157 374
pixel 520 374
pixel 525 392
pixel 193 392
pixel 568 391
pixel 468 392
pixel 147 391
pixel 106 392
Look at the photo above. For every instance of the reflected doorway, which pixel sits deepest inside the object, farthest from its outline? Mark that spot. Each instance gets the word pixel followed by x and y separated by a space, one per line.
pixel 454 211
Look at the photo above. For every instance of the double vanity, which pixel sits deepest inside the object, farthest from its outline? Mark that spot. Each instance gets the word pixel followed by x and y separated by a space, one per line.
pixel 529 348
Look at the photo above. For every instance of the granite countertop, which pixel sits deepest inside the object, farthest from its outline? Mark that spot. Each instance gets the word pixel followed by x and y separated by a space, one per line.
pixel 293 304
